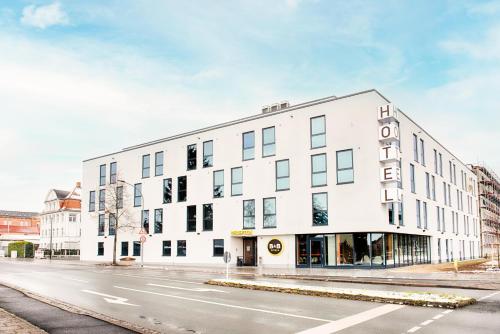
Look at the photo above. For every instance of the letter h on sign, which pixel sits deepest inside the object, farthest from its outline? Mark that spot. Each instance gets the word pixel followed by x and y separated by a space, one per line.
pixel 387 112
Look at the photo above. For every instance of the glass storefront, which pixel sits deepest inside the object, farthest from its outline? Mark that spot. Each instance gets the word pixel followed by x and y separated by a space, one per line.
pixel 375 250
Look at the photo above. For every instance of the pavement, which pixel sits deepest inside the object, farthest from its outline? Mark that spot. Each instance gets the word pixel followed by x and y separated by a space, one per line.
pixel 11 324
pixel 177 301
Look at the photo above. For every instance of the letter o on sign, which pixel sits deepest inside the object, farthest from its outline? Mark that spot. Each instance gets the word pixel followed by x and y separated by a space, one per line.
pixel 275 246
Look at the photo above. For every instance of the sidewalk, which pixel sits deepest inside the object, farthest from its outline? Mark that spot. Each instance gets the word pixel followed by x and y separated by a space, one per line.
pixel 11 324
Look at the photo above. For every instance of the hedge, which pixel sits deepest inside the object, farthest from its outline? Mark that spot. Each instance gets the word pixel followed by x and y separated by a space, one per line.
pixel 21 247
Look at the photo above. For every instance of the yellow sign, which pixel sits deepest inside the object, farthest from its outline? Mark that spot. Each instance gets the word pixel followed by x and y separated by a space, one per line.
pixel 242 232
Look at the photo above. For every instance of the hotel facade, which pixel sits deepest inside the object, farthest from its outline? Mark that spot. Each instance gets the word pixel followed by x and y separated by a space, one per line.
pixel 345 181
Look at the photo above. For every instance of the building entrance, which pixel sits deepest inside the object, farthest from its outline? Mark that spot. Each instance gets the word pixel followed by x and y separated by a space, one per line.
pixel 249 251
pixel 316 252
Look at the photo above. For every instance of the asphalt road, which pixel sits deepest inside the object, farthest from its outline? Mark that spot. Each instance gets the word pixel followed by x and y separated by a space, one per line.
pixel 179 302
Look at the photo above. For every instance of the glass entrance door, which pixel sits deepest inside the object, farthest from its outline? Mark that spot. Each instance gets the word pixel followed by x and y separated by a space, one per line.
pixel 316 252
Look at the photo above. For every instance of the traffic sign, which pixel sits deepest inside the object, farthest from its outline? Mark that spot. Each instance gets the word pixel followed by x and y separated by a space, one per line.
pixel 143 231
pixel 143 239
pixel 227 257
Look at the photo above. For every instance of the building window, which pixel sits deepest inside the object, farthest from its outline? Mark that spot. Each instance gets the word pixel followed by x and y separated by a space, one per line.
pixel 136 251
pixel 218 189
pixel 268 142
pixel 318 132
pixel 425 214
pixel 124 251
pixel 269 205
pixel 119 197
pixel 283 175
pixel 100 248
pixel 181 247
pixel 145 166
pixel 454 174
pixel 318 169
pixel 435 162
pixel 72 218
pixel 137 194
pixel 218 247
pixel 181 189
pixel 158 220
pixel 412 178
pixel 415 147
pixel 102 175
pixel 449 195
pixel 249 214
pixel 427 185
pixel 320 209
pixel 438 217
pixel 444 194
pixel 433 187
pixel 112 173
pixel 345 167
pixel 248 145
pixel 451 172
pixel 102 199
pixel 400 213
pixel 440 164
pixel 419 223
pixel 422 152
pixel 92 201
pixel 208 217
pixel 443 220
pixel 166 248
pixel 390 211
pixel 236 181
pixel 112 224
pixel 191 157
pixel 100 226
pixel 145 220
pixel 167 190
pixel 191 218
pixel 208 154
pixel 158 163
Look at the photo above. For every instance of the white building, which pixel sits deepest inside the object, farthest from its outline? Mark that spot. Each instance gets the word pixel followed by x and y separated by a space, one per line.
pixel 338 181
pixel 60 221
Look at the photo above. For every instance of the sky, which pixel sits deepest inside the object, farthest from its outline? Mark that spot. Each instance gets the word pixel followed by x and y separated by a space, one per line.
pixel 84 78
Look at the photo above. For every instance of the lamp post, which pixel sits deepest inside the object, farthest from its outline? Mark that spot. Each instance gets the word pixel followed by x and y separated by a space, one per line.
pixel 142 213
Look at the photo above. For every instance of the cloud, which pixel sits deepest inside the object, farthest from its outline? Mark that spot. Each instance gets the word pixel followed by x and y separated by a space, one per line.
pixel 484 8
pixel 44 16
pixel 486 47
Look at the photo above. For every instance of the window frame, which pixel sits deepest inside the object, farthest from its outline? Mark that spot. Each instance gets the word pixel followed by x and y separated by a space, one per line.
pixel 214 185
pixel 191 159
pixel 102 175
pixel 167 192
pixel 92 201
pixel 313 195
pixel 159 166
pixel 211 164
pixel 112 172
pixel 111 231
pixel 273 143
pixel 166 245
pixel 101 224
pixel 179 190
pixel 122 253
pixel 413 188
pixel 214 246
pixel 158 223
pixel 236 183
pixel 102 199
pixel 343 169
pixel 312 135
pixel 137 194
pixel 264 214
pixel 282 177
pixel 100 246
pixel 146 170
pixel 250 216
pixel 206 219
pixel 191 220
pixel 320 172
pixel 243 148
pixel 180 247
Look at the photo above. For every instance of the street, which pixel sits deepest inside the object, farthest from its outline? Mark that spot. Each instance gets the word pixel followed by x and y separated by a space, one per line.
pixel 179 302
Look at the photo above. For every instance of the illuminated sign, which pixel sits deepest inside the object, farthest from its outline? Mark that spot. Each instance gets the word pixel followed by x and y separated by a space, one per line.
pixel 241 232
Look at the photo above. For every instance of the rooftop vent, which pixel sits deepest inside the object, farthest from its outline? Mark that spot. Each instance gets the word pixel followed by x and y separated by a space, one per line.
pixel 275 107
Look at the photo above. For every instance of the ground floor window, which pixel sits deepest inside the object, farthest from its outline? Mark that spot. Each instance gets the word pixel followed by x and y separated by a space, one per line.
pixel 137 248
pixel 100 248
pixel 124 248
pixel 167 248
pixel 181 247
pixel 218 247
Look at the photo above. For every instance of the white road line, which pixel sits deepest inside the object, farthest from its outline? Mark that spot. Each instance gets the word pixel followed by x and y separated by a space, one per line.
pixel 222 304
pixel 74 279
pixel 426 322
pixel 186 289
pixel 488 296
pixel 352 320
pixel 447 311
pixel 161 278
pixel 436 317
pixel 111 299
pixel 414 329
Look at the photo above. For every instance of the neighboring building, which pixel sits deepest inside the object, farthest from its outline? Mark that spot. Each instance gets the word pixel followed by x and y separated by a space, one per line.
pixel 489 209
pixel 339 181
pixel 18 226
pixel 60 228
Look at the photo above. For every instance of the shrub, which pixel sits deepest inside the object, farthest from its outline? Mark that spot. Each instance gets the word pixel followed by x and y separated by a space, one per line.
pixel 21 247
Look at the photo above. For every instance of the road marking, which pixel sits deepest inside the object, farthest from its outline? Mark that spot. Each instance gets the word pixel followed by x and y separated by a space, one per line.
pixel 414 329
pixel 488 296
pixel 338 325
pixel 74 279
pixel 223 304
pixel 161 278
pixel 447 311
pixel 426 322
pixel 436 317
pixel 111 299
pixel 187 289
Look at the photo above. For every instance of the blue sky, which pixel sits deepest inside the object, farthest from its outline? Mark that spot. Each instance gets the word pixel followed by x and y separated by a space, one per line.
pixel 82 78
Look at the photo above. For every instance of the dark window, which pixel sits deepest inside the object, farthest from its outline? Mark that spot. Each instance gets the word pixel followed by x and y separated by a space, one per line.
pixel 435 162
pixel 100 227
pixel 425 214
pixel 137 249
pixel 283 175
pixel 208 217
pixel 181 189
pixel 167 248
pixel 145 165
pixel 112 172
pixel 269 205
pixel 102 199
pixel 112 224
pixel 158 220
pixel 158 163
pixel 218 247
pixel 92 201
pixel 318 170
pixel 345 167
pixel 361 249
pixel 440 164
pixel 124 248
pixel 390 209
pixel 268 142
pixel 191 157
pixel 419 223
pixel 400 213
pixel 100 248
pixel 137 194
pixel 318 132
pixel 181 247
pixel 249 214
pixel 427 185
pixel 415 147
pixel 249 145
pixel 422 152
pixel 102 175
pixel 208 153
pixel 412 178
pixel 119 197
pixel 145 220
pixel 191 218
pixel 218 183
pixel 320 209
pixel 167 190
pixel 236 181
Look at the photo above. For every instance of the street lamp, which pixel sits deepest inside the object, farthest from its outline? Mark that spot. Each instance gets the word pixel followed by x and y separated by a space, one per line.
pixel 142 214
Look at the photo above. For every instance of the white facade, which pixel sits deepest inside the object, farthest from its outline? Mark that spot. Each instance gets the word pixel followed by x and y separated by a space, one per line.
pixel 351 123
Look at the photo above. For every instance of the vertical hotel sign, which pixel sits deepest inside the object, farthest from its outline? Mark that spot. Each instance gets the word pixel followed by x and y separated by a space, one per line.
pixel 389 154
